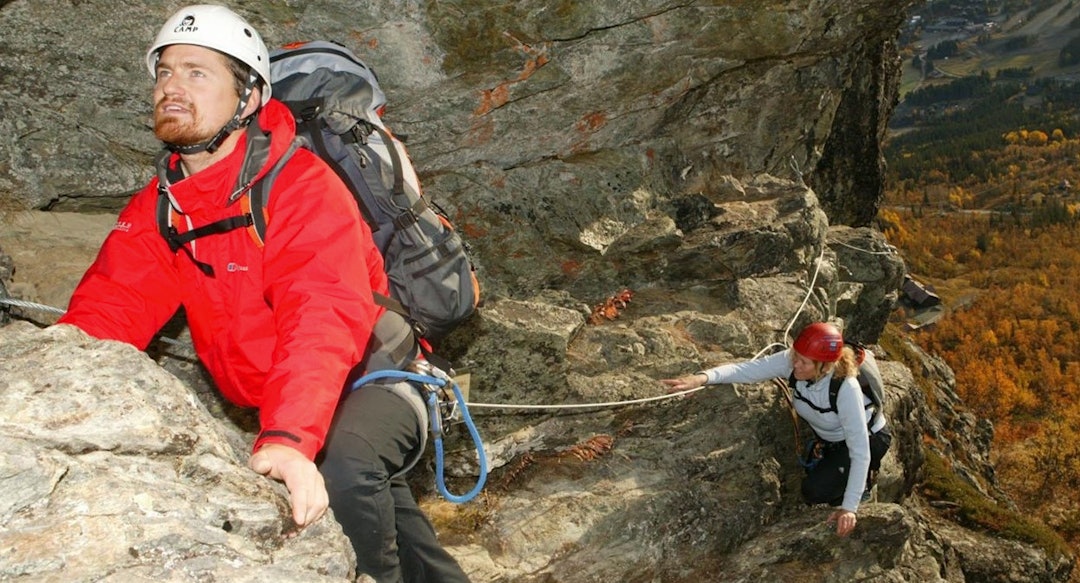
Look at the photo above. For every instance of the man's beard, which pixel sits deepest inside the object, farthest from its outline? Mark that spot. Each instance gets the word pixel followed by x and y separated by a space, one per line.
pixel 181 132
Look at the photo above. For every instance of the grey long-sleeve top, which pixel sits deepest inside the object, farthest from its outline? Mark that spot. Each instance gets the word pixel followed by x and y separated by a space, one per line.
pixel 848 424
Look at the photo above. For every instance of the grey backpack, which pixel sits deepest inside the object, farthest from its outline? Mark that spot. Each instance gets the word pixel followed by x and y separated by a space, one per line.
pixel 337 103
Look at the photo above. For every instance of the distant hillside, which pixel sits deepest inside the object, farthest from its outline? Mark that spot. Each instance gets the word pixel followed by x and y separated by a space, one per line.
pixel 957 134
pixel 974 73
pixel 991 37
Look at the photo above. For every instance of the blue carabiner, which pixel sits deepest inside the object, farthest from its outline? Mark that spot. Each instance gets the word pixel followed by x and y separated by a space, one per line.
pixel 435 420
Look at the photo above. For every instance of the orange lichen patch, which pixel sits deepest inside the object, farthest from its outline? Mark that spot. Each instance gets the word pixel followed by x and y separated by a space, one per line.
pixel 499 95
pixel 493 98
pixel 472 230
pixel 529 49
pixel 603 312
pixel 570 267
pixel 372 43
pixel 591 449
pixel 531 67
pixel 610 308
pixel 514 471
pixel 592 122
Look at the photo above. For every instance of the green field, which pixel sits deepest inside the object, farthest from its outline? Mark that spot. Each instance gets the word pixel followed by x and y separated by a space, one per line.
pixel 1026 40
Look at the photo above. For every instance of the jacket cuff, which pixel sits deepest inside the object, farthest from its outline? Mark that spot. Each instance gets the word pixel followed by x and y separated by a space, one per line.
pixel 304 444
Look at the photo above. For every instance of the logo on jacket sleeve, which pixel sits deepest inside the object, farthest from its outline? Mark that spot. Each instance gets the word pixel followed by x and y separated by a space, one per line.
pixel 122 226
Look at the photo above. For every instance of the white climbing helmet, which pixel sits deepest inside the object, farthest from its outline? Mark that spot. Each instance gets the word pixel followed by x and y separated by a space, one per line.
pixel 218 28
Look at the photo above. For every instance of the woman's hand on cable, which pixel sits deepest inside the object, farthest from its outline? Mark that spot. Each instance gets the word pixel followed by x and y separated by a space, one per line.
pixel 845 521
pixel 307 490
pixel 686 383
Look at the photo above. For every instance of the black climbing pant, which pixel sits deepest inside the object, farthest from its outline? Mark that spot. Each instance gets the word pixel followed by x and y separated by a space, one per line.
pixel 826 481
pixel 375 434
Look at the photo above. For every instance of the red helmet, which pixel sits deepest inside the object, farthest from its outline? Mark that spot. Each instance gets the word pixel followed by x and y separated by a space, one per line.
pixel 820 341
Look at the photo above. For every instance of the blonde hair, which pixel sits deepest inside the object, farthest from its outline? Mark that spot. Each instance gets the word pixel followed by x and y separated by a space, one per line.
pixel 846 367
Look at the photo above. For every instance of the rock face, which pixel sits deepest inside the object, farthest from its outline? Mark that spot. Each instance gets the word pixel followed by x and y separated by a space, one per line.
pixel 720 161
pixel 704 488
pixel 548 130
pixel 113 470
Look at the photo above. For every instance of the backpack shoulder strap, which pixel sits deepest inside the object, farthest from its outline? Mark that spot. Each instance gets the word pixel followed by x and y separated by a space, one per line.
pixel 405 219
pixel 834 392
pixel 166 213
pixel 259 194
pixel 395 158
pixel 252 217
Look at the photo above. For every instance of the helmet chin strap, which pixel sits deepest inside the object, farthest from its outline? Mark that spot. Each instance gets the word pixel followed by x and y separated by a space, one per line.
pixel 210 146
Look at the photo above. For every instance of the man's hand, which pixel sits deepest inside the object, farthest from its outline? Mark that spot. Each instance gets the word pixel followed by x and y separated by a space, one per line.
pixel 845 521
pixel 686 383
pixel 307 491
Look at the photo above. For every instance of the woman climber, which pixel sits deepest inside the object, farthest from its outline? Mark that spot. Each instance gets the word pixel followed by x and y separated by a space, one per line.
pixel 849 441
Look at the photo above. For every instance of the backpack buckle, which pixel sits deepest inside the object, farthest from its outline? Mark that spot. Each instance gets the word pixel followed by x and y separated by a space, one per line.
pixel 173 239
pixel 360 131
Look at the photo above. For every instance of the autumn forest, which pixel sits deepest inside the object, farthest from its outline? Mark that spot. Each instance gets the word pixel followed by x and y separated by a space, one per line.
pixel 983 202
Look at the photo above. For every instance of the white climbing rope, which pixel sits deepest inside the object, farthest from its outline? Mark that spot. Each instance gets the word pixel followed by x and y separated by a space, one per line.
pixel 609 404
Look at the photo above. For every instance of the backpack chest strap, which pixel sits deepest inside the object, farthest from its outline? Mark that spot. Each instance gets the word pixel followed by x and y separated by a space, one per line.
pixel 252 217
pixel 178 240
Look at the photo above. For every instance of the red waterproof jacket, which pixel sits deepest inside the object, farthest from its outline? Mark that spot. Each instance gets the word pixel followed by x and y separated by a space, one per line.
pixel 277 327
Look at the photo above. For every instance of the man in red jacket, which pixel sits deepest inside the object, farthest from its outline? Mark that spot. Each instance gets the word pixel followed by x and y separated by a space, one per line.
pixel 278 326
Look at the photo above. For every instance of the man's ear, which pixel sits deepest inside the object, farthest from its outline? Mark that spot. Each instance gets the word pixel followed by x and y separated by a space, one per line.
pixel 253 102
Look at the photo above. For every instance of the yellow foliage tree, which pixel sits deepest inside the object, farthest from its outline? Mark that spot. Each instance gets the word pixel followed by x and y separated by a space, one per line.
pixel 1036 138
pixel 959 197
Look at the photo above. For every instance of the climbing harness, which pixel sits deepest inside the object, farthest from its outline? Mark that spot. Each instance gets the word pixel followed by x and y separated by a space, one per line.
pixel 442 410
pixel 813 453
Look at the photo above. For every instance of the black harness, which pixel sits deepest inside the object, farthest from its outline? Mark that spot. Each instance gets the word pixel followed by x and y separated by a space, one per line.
pixel 834 391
